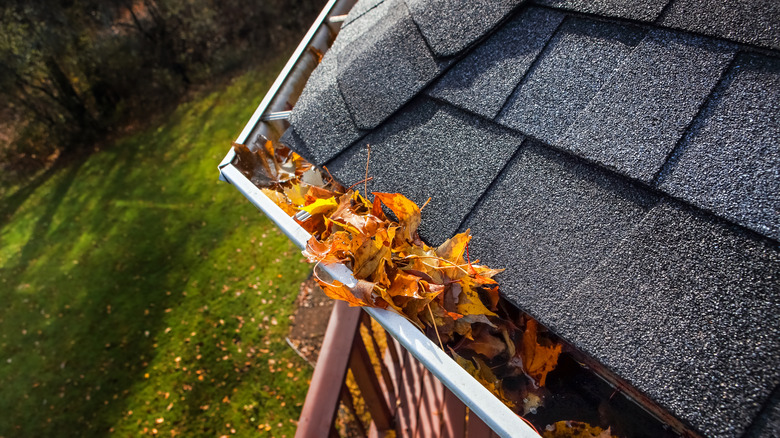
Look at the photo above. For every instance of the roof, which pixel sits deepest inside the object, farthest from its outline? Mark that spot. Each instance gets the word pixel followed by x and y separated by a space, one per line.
pixel 620 157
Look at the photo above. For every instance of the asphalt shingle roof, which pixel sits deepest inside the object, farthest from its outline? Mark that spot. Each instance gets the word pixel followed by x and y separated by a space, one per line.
pixel 321 117
pixel 620 158
pixel 385 68
pixel 442 163
pixel 635 120
pixel 559 218
pixel 693 329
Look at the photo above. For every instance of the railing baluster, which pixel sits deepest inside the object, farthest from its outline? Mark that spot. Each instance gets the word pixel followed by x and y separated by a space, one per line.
pixel 360 364
pixel 382 367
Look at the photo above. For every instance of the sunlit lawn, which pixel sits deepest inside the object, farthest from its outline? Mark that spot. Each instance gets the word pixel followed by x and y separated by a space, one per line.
pixel 141 296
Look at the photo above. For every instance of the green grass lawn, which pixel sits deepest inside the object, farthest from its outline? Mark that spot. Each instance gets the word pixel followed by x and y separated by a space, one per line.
pixel 142 297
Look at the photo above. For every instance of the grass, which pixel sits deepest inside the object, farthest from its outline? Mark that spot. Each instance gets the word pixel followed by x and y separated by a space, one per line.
pixel 142 297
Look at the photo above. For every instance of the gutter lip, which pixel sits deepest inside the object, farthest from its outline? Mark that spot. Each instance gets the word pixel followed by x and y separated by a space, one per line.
pixel 479 400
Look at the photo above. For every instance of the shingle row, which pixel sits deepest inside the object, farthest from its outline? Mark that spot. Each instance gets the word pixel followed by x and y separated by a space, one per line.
pixel 644 10
pixel 320 123
pixel 687 309
pixel 386 53
pixel 482 82
pixel 683 306
pixel 747 21
pixel 624 97
pixel 755 22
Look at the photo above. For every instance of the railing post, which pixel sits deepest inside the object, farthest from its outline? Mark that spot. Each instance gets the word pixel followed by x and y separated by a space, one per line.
pixel 322 400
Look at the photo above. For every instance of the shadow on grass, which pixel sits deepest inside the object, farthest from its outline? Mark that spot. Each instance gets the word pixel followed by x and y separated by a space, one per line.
pixel 109 267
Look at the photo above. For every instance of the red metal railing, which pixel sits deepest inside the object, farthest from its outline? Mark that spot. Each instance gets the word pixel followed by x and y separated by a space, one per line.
pixel 398 393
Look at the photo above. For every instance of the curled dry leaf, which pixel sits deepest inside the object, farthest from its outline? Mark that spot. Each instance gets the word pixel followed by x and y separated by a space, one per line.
pixel 539 356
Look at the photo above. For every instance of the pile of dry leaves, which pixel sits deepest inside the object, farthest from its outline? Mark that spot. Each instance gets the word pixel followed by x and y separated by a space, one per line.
pixel 453 299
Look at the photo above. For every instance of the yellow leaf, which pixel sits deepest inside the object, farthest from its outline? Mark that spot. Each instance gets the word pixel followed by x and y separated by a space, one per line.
pixel 280 200
pixel 368 257
pixel 297 194
pixel 321 206
pixel 538 359
pixel 575 429
pixel 469 302
pixel 454 247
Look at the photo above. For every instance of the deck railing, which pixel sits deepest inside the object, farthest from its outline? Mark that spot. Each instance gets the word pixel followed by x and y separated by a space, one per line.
pixel 397 392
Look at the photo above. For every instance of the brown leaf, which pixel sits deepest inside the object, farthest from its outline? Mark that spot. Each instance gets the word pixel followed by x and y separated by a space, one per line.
pixel 406 211
pixel 483 374
pixel 339 291
pixel 368 257
pixel 486 344
pixel 347 215
pixel 539 358
pixel 335 249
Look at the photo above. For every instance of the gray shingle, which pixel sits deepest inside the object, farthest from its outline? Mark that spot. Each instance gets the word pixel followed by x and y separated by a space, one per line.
pixel 431 150
pixel 747 21
pixel 580 58
pixel 688 311
pixel 363 22
pixel 384 68
pixel 320 117
pixel 638 116
pixel 549 220
pixel 767 425
pixel 357 11
pixel 730 162
pixel 450 26
pixel 483 80
pixel 645 10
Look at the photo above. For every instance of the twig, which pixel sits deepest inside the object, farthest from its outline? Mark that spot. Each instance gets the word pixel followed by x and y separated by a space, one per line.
pixel 468 257
pixel 455 265
pixel 436 329
pixel 368 158
pixel 359 182
pixel 316 276
pixel 331 176
pixel 529 423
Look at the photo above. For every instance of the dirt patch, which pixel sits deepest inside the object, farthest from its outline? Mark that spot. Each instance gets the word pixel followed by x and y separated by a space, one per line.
pixel 310 320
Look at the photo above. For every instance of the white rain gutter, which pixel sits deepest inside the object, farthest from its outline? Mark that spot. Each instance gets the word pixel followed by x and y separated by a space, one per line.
pixel 479 400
